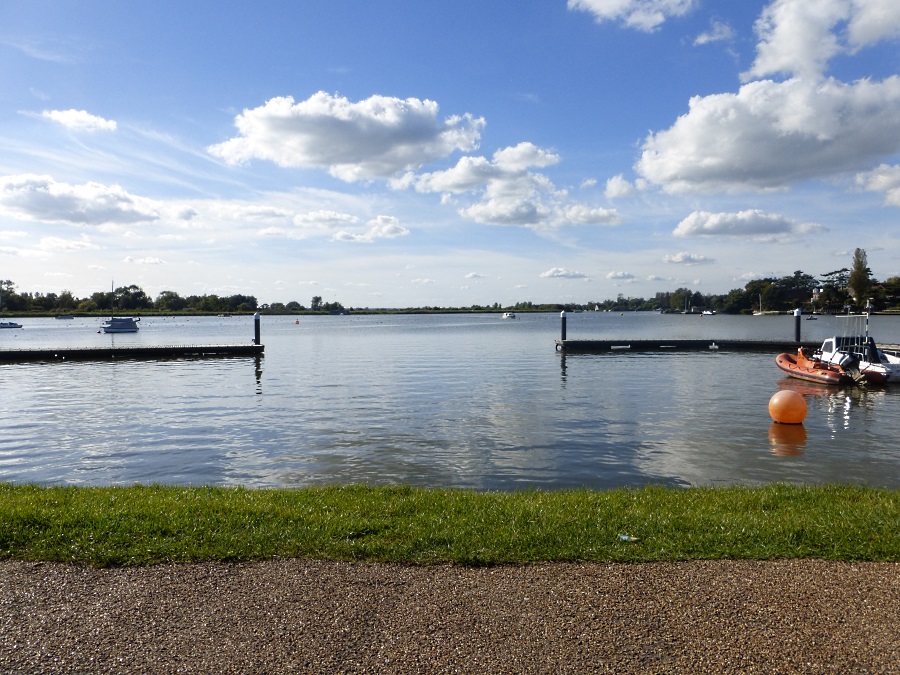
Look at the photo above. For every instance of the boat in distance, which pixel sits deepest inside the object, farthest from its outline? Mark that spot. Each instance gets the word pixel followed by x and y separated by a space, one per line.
pixel 804 366
pixel 120 325
pixel 10 324
pixel 508 315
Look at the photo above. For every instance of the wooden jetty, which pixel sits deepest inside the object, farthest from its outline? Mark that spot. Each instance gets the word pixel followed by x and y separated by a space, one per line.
pixel 661 345
pixel 123 353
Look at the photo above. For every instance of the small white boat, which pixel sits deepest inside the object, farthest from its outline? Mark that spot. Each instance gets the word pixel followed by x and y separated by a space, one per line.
pixel 120 325
pixel 8 324
pixel 508 315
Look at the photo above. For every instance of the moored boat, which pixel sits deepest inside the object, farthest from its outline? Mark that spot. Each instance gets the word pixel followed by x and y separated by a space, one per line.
pixel 120 325
pixel 804 366
pixel 859 352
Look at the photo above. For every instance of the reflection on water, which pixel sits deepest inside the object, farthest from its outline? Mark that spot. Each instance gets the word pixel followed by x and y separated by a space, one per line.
pixel 465 401
pixel 787 439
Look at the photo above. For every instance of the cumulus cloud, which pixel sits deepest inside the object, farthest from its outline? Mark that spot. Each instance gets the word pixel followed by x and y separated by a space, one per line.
pixel 149 260
pixel 509 192
pixel 474 275
pixel 685 258
pixel 753 224
pixel 772 134
pixel 378 137
pixel 79 120
pixel 719 31
pixel 884 179
pixel 562 273
pixel 41 198
pixel 53 244
pixel 645 15
pixel 381 227
pixel 618 188
pixel 799 38
pixel 620 276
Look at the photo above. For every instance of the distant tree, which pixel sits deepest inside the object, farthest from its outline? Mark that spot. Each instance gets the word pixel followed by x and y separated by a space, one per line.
pixel 316 303
pixel 860 280
pixel 170 301
pixel 891 287
pixel 66 301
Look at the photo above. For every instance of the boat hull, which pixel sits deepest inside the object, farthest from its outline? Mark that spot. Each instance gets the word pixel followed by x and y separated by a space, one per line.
pixel 120 325
pixel 798 366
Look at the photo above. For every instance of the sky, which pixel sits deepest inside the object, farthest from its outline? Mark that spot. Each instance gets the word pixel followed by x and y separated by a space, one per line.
pixel 401 153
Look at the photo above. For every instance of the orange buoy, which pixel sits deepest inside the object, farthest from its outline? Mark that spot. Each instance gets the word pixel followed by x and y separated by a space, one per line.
pixel 787 407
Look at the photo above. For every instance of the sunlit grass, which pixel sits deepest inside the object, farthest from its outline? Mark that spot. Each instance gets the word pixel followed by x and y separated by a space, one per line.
pixel 143 525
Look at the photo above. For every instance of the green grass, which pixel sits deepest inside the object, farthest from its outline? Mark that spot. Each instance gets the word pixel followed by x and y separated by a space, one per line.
pixel 143 525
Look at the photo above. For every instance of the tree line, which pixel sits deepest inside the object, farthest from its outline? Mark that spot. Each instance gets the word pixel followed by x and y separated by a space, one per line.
pixel 842 290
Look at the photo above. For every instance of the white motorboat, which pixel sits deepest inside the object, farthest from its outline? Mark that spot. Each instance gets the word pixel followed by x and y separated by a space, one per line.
pixel 859 352
pixel 508 315
pixel 120 325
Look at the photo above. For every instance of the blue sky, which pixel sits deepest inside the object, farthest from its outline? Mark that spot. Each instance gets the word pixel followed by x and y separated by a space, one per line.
pixel 408 153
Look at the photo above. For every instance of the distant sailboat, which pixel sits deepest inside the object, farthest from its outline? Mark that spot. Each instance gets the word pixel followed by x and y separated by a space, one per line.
pixel 760 312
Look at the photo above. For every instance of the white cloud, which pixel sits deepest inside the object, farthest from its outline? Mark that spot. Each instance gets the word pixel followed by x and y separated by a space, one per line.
pixel 799 37
pixel 378 137
pixel 381 227
pixel 685 258
pixel 149 260
pixel 645 15
pixel 509 193
pixel 562 273
pixel 79 120
pixel 884 179
pixel 620 276
pixel 753 224
pixel 474 275
pixel 719 31
pixel 873 21
pixel 41 198
pixel 52 244
pixel 618 188
pixel 796 37
pixel 770 135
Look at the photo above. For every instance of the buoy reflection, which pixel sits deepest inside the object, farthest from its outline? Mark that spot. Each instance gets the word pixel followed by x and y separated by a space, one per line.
pixel 787 440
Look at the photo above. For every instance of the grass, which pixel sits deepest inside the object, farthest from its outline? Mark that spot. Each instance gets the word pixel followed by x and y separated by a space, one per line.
pixel 144 525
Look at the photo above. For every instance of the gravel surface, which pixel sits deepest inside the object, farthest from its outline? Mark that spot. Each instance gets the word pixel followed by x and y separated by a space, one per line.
pixel 316 617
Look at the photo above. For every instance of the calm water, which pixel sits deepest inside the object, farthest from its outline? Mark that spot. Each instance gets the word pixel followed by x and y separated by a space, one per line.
pixel 460 401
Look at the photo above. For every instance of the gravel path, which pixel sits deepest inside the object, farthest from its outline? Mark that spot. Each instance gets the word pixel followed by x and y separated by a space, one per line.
pixel 316 617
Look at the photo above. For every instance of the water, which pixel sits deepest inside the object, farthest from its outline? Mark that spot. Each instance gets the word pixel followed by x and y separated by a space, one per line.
pixel 467 401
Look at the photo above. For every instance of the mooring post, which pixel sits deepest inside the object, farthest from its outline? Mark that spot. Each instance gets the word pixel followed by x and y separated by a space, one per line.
pixel 256 328
pixel 797 325
pixel 562 327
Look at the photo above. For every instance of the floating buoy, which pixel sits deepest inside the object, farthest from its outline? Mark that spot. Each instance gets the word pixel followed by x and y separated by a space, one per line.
pixel 787 407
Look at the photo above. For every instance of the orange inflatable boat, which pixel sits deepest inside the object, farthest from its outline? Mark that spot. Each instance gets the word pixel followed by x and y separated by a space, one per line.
pixel 804 367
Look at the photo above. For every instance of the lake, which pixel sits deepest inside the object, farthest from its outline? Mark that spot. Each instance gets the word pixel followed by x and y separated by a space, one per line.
pixel 461 400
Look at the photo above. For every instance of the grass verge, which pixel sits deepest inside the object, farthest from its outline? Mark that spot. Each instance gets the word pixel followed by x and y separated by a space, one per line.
pixel 144 525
